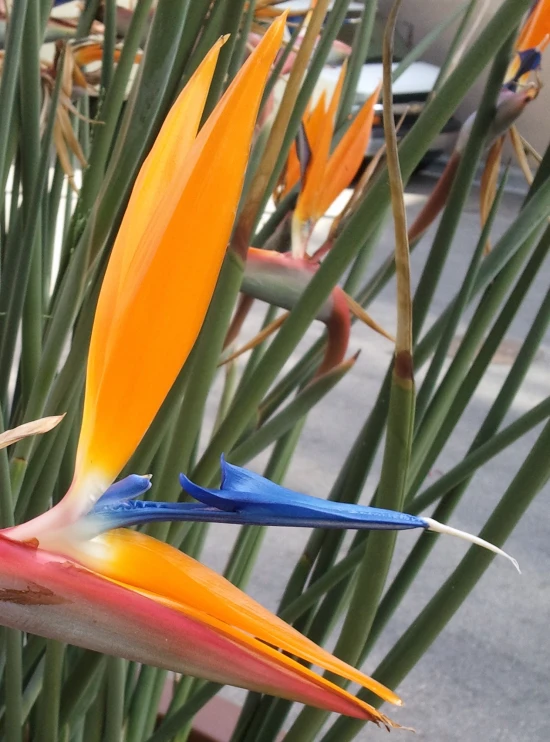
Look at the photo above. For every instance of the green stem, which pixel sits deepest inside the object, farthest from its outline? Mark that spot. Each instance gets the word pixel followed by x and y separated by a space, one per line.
pixel 13 672
pixel 109 41
pixel 93 728
pixel 137 717
pixel 457 38
pixel 460 190
pixel 81 687
pixel 279 424
pixel 477 456
pixel 114 714
pixel 171 724
pixel 13 683
pixel 48 726
pixel 10 74
pixel 461 301
pixel 359 54
pixel 20 265
pixel 232 20
pixel 86 18
pixel 112 106
pixel 430 431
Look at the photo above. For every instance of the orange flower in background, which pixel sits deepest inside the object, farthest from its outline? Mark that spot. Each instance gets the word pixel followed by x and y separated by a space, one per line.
pixel 516 94
pixel 531 42
pixel 536 29
pixel 324 175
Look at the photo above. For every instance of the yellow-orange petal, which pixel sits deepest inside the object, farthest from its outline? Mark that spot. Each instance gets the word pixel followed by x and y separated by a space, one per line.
pixel 77 605
pixel 348 155
pixel 321 133
pixel 315 121
pixel 159 175
pixel 141 562
pixel 160 280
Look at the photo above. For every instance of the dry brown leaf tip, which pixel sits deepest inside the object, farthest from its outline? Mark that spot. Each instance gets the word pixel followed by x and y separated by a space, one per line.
pixel 35 427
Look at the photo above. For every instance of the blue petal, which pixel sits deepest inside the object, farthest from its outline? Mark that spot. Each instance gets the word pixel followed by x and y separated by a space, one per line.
pixel 136 512
pixel 262 502
pixel 529 60
pixel 126 489
pixel 131 513
pixel 245 498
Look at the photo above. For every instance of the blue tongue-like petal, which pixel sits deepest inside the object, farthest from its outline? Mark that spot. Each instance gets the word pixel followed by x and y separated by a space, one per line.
pixel 262 502
pixel 246 498
pixel 127 489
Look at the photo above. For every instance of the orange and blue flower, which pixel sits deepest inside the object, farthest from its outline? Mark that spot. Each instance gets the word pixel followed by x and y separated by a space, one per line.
pixel 73 574
pixel 122 592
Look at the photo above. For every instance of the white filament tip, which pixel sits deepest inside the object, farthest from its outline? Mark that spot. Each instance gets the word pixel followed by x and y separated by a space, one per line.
pixel 433 525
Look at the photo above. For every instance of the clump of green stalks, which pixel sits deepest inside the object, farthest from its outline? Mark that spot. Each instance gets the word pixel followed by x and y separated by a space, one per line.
pixel 54 244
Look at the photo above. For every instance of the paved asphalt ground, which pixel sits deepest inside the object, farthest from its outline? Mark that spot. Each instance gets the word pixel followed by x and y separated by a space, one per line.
pixel 486 678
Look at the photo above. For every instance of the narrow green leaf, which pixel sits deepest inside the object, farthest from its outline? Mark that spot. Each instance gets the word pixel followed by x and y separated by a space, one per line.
pixel 460 189
pixel 478 456
pixel 450 58
pixel 137 717
pixel 13 680
pixel 48 709
pixel 86 18
pixel 432 375
pixel 111 107
pixel 20 265
pixel 172 723
pixel 232 20
pixel 429 431
pixel 8 84
pixel 109 41
pixel 357 59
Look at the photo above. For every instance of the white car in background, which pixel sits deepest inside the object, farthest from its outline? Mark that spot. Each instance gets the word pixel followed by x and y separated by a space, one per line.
pixel 410 91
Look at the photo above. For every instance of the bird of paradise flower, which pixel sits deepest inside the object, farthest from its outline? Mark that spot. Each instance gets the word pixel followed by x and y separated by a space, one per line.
pixel 73 573
pixel 321 176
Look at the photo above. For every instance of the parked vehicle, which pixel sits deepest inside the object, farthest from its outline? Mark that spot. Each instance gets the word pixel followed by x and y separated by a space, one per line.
pixel 410 91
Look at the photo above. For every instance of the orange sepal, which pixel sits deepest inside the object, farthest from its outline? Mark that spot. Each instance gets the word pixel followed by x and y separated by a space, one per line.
pixel 537 27
pixel 347 156
pixel 162 274
pixel 319 134
pixel 160 174
pixel 143 563
pixel 315 121
pixel 320 137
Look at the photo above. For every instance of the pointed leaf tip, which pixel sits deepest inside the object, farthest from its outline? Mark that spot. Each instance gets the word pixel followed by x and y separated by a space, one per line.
pixel 35 427
pixel 434 525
